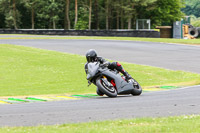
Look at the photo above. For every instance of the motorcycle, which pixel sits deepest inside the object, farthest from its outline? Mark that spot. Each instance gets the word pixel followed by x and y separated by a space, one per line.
pixel 110 82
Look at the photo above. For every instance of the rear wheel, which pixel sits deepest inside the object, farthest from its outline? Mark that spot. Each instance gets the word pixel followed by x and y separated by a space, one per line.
pixel 106 87
pixel 137 88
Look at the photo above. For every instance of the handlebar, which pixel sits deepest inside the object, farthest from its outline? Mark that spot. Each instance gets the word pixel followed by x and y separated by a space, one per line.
pixel 104 65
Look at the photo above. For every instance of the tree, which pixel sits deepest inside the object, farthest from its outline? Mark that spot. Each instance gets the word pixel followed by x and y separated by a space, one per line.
pixel 107 3
pixel 83 14
pixel 90 14
pixel 166 12
pixel 195 21
pixel 131 9
pixel 32 5
pixel 122 14
pixel 12 15
pixel 76 13
pixel 96 10
pixel 2 20
pixel 117 6
pixel 192 8
pixel 67 20
pixel 49 10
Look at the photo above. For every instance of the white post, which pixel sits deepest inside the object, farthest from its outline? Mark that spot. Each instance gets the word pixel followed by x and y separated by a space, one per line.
pixel 137 24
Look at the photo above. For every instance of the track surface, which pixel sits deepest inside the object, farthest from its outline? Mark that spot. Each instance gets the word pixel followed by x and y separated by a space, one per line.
pixel 165 103
pixel 171 56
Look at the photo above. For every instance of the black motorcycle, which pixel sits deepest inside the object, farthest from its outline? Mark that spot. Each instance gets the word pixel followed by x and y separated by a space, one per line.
pixel 110 82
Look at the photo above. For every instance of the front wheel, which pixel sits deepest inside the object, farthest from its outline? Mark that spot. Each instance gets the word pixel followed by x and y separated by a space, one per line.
pixel 99 92
pixel 106 87
pixel 137 88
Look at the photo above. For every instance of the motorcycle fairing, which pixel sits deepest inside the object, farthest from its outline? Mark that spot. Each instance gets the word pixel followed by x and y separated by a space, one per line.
pixel 92 69
pixel 122 86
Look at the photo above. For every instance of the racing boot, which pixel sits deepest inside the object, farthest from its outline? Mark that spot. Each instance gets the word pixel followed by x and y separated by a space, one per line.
pixel 120 69
pixel 127 76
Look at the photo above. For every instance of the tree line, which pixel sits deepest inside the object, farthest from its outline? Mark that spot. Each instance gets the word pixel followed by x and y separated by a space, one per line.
pixel 87 14
pixel 192 9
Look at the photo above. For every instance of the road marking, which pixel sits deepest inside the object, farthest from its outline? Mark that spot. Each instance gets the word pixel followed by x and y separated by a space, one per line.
pixel 49 98
pixel 17 99
pixel 36 99
pixel 85 96
pixel 10 101
pixel 66 97
pixel 154 89
pixel 3 102
pixel 169 87
pixel 77 96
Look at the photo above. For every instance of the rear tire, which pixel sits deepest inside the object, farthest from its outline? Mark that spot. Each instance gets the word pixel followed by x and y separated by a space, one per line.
pixel 110 91
pixel 137 89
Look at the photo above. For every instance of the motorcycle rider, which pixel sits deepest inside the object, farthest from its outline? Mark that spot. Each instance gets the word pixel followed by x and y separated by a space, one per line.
pixel 91 56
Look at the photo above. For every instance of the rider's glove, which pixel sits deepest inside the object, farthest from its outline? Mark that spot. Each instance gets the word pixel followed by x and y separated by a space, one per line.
pixel 106 63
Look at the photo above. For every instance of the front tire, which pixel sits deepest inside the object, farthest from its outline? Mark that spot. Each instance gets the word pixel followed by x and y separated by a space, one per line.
pixel 99 92
pixel 110 91
pixel 137 89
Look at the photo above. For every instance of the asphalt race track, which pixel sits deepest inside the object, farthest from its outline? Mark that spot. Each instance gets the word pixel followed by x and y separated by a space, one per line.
pixel 171 56
pixel 152 104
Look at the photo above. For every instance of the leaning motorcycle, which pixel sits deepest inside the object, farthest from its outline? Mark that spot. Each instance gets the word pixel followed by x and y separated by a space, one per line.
pixel 110 82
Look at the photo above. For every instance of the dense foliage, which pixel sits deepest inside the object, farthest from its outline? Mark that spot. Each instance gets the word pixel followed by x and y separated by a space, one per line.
pixel 193 9
pixel 86 14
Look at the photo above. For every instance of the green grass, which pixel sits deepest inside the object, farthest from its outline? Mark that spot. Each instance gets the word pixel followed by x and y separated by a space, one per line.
pixel 31 71
pixel 163 40
pixel 180 124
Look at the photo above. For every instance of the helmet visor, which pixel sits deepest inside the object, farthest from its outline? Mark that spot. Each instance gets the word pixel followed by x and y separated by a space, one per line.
pixel 90 59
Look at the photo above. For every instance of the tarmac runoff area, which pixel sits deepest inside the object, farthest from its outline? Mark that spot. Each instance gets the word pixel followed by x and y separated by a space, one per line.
pixel 46 98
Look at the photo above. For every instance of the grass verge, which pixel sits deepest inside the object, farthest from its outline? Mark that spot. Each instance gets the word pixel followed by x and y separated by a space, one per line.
pixel 180 124
pixel 31 71
pixel 163 40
